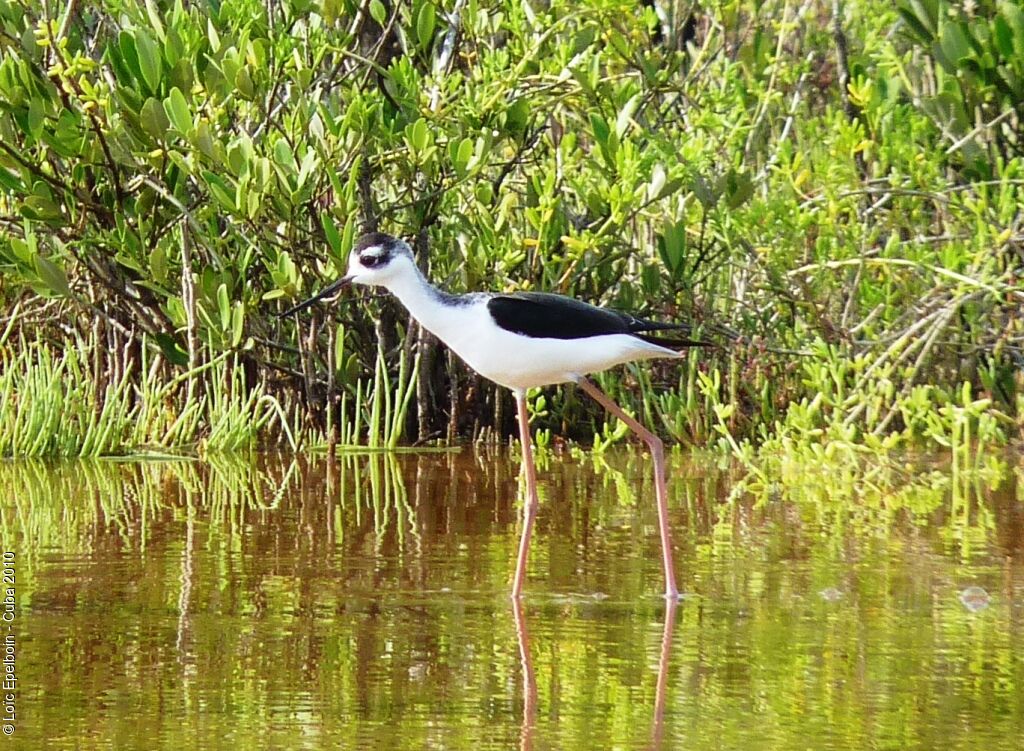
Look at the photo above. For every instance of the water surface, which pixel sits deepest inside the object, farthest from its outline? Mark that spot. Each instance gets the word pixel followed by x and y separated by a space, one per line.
pixel 361 604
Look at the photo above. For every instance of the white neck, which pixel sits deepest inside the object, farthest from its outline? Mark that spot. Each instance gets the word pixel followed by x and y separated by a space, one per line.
pixel 424 302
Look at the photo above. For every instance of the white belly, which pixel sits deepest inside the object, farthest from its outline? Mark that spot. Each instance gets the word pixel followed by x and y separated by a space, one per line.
pixel 512 360
pixel 520 362
pixel 523 363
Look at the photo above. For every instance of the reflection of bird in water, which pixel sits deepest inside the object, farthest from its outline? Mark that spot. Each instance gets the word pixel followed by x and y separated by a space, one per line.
pixel 975 599
pixel 522 341
pixel 661 689
pixel 530 680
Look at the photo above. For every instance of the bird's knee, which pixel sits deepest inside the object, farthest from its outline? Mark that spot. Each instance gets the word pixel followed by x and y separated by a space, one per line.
pixel 531 504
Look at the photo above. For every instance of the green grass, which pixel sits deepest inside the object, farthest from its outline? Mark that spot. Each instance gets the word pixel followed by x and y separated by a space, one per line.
pixel 51 406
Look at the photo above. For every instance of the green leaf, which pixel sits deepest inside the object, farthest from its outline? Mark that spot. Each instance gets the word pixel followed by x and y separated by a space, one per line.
pixel 600 127
pixel 309 163
pixel 41 208
pixel 212 36
pixel 154 18
pixel 283 154
pixel 417 135
pixel 178 111
pixel 52 276
pixel 465 151
pixel 128 260
pixel 348 236
pixel 918 29
pixel 244 84
pixel 174 48
pixel 154 120
pixel 739 189
pixel 672 245
pixel 11 181
pixel 1003 36
pixel 1014 16
pixel 927 14
pixel 22 251
pixel 705 194
pixel 954 43
pixel 181 161
pixel 237 323
pixel 331 232
pixel 36 117
pixel 625 116
pixel 517 116
pixel 339 347
pixel 460 153
pixel 221 190
pixel 203 139
pixel 425 23
pixel 158 264
pixel 130 55
pixel 150 60
pixel 657 183
pixel 171 350
pixel 224 307
pixel 286 268
pixel 377 12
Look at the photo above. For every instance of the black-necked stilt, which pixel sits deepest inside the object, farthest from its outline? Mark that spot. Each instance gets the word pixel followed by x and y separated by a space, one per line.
pixel 523 340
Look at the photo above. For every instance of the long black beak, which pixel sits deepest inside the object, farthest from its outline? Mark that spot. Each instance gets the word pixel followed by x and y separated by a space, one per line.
pixel 327 291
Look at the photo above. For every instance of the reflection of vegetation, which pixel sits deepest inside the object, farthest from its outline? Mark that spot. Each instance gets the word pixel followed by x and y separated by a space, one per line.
pixel 63 506
pixel 52 504
pixel 360 603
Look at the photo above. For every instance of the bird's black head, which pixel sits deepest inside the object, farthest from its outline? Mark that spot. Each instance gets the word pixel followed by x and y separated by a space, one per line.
pixel 377 258
pixel 374 249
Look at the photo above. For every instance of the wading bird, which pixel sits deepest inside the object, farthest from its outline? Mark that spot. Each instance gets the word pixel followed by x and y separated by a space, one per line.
pixel 520 341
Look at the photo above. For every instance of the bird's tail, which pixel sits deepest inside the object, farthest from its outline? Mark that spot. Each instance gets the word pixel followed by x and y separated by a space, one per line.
pixel 672 343
pixel 649 330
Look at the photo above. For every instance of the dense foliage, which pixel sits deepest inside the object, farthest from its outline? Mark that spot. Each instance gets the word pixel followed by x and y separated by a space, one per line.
pixel 838 183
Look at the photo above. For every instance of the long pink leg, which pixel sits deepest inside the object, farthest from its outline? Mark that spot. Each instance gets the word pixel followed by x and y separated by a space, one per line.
pixel 530 508
pixel 661 490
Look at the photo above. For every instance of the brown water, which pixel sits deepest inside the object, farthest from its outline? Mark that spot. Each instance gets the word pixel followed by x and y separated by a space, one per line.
pixel 362 605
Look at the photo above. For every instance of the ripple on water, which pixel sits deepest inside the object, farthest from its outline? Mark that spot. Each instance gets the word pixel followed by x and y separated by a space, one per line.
pixel 364 605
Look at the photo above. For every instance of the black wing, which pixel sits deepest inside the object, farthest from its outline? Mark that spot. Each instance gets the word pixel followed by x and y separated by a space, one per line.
pixel 546 316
